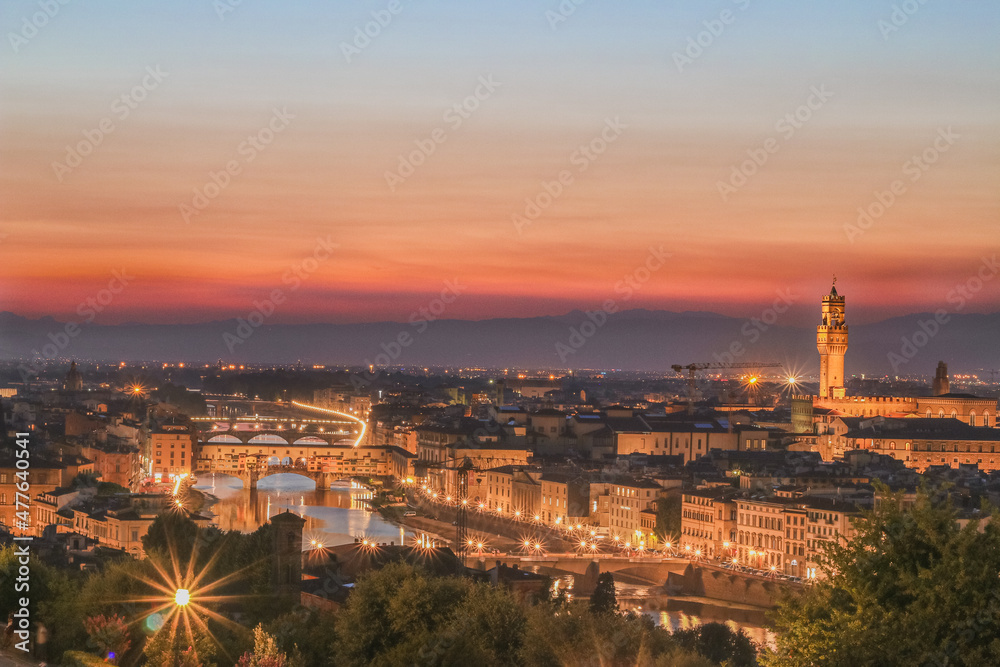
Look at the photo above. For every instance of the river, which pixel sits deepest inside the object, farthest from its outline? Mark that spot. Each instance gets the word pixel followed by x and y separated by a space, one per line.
pixel 334 516
pixel 340 515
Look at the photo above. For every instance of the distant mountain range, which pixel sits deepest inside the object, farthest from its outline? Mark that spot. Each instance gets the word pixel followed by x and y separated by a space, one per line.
pixel 631 340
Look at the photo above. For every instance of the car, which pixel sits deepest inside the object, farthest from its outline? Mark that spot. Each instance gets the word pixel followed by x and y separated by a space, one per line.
pixel 409 513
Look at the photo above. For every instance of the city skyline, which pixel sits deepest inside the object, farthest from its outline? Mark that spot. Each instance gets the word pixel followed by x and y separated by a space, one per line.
pixel 308 143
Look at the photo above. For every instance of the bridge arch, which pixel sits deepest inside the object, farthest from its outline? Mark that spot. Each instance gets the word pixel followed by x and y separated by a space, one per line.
pixel 310 440
pixel 267 439
pixel 274 473
pixel 225 439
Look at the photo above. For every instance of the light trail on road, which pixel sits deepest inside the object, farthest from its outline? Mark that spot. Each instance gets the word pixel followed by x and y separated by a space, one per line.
pixel 364 426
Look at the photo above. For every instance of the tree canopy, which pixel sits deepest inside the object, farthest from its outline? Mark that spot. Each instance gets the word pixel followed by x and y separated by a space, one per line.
pixel 912 588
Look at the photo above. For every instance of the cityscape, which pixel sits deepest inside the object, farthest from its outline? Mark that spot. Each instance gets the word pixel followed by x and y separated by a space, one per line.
pixel 535 333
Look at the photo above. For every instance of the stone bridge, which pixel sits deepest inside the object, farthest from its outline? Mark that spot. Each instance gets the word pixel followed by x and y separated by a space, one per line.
pixel 291 436
pixel 648 571
pixel 251 475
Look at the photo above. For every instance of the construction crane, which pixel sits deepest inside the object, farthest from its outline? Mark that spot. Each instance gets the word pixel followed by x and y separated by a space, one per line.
pixel 719 365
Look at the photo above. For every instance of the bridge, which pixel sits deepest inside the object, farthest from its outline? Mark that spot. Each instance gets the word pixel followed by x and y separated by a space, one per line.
pixel 322 449
pixel 646 570
pixel 250 475
pixel 273 430
pixel 674 575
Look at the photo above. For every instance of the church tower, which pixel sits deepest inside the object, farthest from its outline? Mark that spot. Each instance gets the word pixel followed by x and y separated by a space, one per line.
pixel 286 573
pixel 73 381
pixel 831 341
pixel 942 385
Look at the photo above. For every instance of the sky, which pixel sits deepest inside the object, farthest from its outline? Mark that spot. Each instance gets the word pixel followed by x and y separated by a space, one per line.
pixel 531 157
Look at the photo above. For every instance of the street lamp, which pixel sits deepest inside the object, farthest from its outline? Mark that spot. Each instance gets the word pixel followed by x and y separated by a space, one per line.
pixel 182 597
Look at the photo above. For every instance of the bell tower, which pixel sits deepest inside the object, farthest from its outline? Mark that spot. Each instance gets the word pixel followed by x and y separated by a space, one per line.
pixel 831 341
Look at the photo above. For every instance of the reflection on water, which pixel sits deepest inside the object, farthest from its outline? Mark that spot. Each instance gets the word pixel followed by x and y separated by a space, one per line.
pixel 683 614
pixel 333 516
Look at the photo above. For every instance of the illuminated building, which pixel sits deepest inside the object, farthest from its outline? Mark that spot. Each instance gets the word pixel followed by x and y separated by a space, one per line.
pixel 819 414
pixel 708 522
pixel 171 451
pixel 831 341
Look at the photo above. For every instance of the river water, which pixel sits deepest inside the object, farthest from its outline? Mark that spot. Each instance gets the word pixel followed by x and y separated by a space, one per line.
pixel 334 516
pixel 340 516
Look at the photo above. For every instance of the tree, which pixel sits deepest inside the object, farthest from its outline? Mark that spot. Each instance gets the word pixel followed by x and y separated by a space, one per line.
pixel 307 632
pixel 172 534
pixel 84 480
pixel 265 652
pixel 394 613
pixel 668 516
pixel 109 635
pixel 577 637
pixel 911 588
pixel 718 643
pixel 180 647
pixel 604 600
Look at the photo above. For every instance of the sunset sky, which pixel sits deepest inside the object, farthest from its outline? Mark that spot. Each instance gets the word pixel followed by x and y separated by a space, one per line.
pixel 674 127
